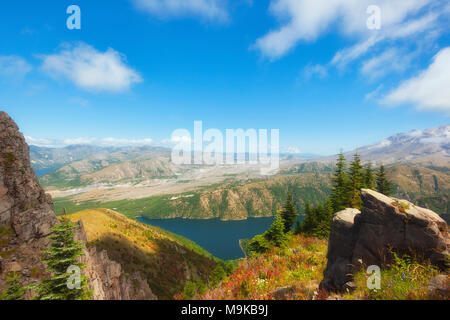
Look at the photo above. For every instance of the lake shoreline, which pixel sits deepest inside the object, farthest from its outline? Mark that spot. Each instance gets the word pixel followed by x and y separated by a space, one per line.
pixel 221 238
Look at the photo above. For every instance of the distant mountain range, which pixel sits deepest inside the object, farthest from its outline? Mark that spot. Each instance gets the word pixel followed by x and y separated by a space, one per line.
pixel 144 181
pixel 430 147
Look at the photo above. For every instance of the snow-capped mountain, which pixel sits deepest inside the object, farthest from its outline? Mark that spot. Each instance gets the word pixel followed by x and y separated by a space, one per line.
pixel 431 146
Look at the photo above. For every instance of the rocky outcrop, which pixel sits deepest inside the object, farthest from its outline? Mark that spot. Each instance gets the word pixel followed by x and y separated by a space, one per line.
pixel 26 219
pixel 337 274
pixel 383 226
pixel 24 206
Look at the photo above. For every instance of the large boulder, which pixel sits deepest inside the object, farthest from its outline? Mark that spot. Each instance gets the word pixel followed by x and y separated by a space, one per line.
pixel 337 275
pixel 385 225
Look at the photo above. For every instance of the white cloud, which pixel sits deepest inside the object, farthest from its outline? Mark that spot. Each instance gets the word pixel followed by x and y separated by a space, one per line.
pixel 430 90
pixel 109 142
pixel 406 29
pixel 208 9
pixel 91 69
pixel 43 143
pixel 315 70
pixel 293 150
pixel 390 60
pixel 14 67
pixel 306 20
pixel 177 139
pixel 102 142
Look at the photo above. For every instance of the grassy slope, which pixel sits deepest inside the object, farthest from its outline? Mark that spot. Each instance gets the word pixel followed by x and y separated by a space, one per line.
pixel 427 187
pixel 300 265
pixel 166 260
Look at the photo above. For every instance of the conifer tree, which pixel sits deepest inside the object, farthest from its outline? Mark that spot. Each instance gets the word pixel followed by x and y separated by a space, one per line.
pixel 289 213
pixel 63 253
pixel 14 291
pixel 383 184
pixel 339 195
pixel 274 236
pixel 355 182
pixel 317 221
pixel 369 177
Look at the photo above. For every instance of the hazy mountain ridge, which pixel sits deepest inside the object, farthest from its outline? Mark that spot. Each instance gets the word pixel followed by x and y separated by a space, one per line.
pixel 82 172
pixel 143 181
pixel 426 147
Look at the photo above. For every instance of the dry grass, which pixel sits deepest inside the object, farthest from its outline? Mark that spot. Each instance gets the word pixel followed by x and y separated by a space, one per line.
pixel 299 266
pixel 165 260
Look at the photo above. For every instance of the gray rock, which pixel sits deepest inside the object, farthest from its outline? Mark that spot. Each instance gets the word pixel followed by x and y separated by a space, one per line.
pixel 439 286
pixel 340 250
pixel 385 224
pixel 284 293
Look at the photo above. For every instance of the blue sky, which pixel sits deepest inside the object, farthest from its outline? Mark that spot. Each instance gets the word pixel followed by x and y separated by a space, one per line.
pixel 139 69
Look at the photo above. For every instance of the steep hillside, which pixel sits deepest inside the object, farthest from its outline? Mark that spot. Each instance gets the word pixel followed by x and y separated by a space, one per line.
pixel 165 260
pixel 427 187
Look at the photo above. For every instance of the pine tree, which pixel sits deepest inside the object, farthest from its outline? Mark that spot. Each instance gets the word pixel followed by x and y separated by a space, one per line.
pixel 63 253
pixel 274 236
pixel 14 291
pixel 355 182
pixel 339 195
pixel 369 177
pixel 289 213
pixel 317 221
pixel 383 184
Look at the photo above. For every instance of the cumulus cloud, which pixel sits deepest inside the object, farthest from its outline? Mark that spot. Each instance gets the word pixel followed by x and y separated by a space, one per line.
pixel 14 67
pixel 307 20
pixel 91 69
pixel 430 89
pixel 207 9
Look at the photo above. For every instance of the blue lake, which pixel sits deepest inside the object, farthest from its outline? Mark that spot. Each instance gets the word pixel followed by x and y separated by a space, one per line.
pixel 220 238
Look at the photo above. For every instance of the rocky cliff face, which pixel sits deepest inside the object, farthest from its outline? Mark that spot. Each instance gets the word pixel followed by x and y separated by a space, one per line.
pixel 107 278
pixel 26 218
pixel 384 224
